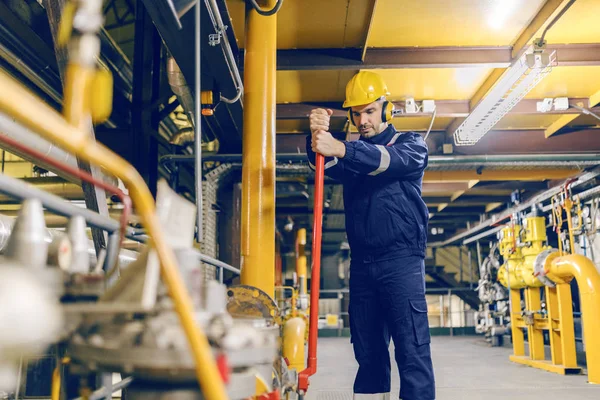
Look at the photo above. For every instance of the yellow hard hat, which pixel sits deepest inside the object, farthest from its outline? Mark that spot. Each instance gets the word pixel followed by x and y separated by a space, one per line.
pixel 364 88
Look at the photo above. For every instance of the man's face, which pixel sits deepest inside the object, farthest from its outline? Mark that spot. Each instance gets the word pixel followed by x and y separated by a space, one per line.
pixel 368 119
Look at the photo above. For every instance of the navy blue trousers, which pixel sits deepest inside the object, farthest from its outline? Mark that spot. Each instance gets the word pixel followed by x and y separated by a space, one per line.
pixel 387 299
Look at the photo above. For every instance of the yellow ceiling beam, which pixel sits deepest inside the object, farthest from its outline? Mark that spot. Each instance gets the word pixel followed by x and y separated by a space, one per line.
pixel 543 17
pixel 442 206
pixel 368 33
pixel 499 175
pixel 559 124
pixel 492 206
pixel 567 119
pixel 459 193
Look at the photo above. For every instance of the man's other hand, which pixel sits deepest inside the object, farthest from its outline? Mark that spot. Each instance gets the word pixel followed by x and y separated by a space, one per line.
pixel 319 119
pixel 325 144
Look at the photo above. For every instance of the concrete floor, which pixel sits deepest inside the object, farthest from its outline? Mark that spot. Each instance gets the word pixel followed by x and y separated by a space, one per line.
pixel 465 368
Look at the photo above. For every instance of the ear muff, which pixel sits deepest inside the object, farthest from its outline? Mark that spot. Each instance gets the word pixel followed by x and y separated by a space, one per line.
pixel 387 111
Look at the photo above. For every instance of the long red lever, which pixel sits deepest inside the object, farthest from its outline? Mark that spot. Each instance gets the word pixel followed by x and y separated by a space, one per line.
pixel 315 277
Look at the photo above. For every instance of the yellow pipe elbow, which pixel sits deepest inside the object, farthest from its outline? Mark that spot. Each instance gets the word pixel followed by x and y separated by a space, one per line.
pixel 294 332
pixel 588 279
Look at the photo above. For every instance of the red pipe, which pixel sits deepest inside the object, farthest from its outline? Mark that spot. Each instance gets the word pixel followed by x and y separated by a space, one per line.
pixel 78 173
pixel 315 277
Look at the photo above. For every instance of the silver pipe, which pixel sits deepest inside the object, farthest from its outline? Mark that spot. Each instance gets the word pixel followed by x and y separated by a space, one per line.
pixel 534 159
pixel 219 264
pixel 198 127
pixel 34 77
pixel 20 190
pixel 10 128
pixel 506 214
pixel 220 28
pixel 102 392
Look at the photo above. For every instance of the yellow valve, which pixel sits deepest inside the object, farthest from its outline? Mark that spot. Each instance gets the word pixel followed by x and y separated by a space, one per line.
pixel 101 95
pixel 294 333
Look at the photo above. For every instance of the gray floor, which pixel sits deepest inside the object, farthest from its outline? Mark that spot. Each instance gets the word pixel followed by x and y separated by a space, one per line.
pixel 465 367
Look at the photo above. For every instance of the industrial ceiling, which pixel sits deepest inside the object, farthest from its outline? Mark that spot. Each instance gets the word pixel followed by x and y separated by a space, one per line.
pixel 451 51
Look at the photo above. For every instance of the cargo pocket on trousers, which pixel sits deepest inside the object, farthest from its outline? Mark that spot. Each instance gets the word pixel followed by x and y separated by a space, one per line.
pixel 420 321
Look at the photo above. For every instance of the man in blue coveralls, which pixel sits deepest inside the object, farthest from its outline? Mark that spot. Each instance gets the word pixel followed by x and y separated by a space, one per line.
pixel 386 225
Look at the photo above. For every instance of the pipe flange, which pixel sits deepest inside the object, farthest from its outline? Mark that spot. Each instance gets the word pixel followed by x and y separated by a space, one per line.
pixel 540 262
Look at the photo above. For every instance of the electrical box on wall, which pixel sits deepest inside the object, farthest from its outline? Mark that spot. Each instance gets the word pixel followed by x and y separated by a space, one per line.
pixel 428 106
pixel 410 106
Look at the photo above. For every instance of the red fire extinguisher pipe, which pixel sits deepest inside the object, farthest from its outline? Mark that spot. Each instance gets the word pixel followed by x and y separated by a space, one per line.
pixel 311 368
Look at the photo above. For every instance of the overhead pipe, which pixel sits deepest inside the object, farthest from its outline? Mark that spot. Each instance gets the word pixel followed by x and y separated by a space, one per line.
pixel 542 160
pixel 495 219
pixel 10 128
pixel 221 31
pixel 181 89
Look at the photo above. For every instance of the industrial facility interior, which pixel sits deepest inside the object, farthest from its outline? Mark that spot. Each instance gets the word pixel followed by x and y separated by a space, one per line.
pixel 163 236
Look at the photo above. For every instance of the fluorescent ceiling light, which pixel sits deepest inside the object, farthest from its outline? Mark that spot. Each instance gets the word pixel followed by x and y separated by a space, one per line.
pixel 522 76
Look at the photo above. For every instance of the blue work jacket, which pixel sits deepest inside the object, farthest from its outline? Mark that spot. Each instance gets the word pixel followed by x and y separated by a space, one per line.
pixel 382 176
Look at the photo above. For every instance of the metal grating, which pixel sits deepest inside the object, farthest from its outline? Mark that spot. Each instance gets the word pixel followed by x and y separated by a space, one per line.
pixel 210 187
pixel 209 227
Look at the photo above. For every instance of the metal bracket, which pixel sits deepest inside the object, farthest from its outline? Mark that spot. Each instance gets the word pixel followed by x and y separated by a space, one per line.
pixel 215 38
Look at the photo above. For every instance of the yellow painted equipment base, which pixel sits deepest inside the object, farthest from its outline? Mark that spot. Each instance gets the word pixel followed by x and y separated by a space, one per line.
pixel 545 365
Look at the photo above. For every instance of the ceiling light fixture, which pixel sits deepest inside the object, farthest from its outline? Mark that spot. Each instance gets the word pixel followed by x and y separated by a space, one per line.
pixel 522 76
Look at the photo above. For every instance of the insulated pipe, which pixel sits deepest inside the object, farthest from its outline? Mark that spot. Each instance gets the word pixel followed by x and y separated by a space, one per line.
pixel 184 137
pixel 180 87
pixel 560 269
pixel 258 165
pixel 515 160
pixel 10 128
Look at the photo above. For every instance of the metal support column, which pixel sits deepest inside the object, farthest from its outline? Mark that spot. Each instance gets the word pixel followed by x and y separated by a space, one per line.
pixel 258 170
pixel 146 84
pixel 535 336
pixel 95 198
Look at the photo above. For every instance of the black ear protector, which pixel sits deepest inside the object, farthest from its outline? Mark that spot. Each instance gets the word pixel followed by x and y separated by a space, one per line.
pixel 387 112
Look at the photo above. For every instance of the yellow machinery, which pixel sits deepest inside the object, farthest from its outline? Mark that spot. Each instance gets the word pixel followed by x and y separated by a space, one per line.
pixel 533 271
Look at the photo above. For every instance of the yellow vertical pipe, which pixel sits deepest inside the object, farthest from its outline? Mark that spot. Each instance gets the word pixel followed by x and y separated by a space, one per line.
pixel 555 323
pixel 535 336
pixel 567 329
pixel 258 169
pixel 517 333
pixel 588 280
pixel 301 260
